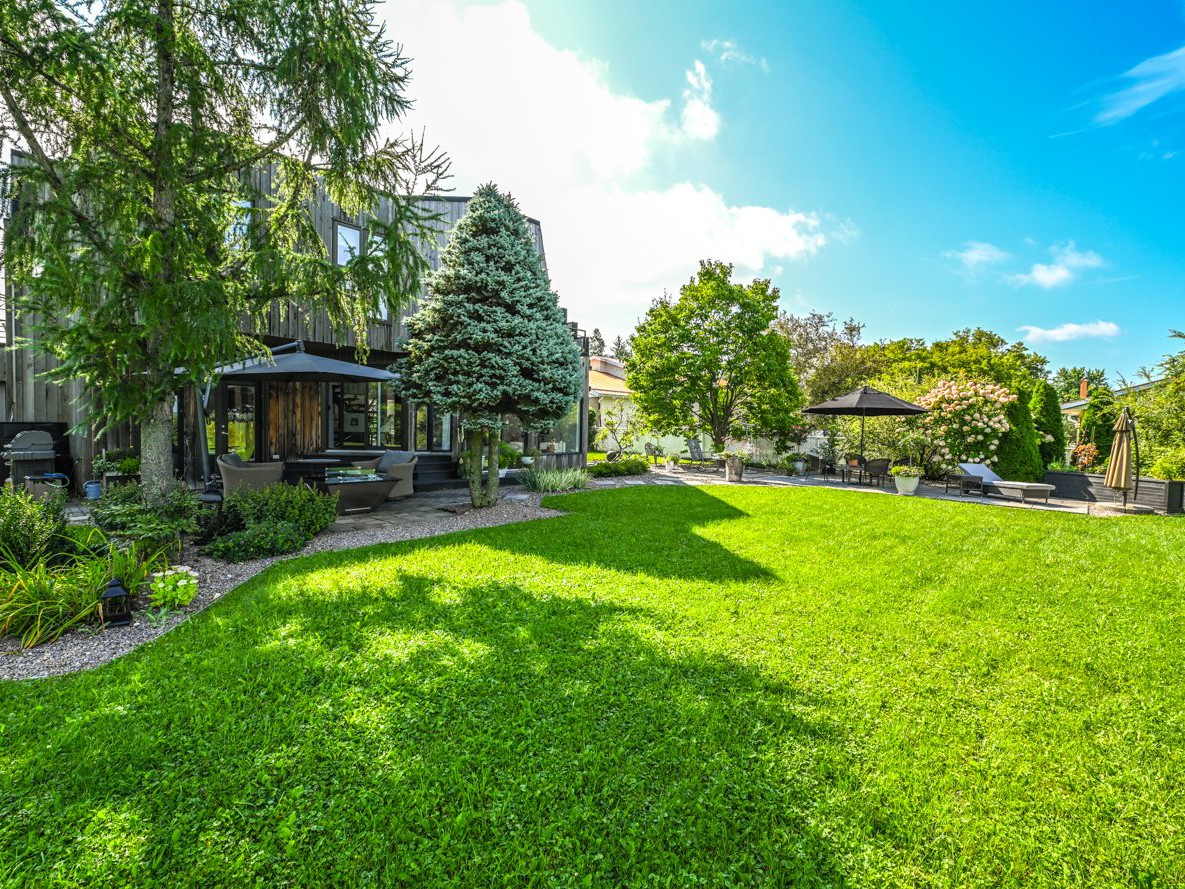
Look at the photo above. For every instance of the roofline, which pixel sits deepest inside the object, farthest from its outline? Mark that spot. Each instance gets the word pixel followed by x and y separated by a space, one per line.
pixel 1126 390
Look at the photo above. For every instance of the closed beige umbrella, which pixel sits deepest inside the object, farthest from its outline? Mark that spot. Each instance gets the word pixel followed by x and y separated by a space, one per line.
pixel 1119 468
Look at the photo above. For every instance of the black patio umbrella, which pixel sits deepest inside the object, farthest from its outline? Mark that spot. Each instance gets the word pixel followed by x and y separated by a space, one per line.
pixel 866 402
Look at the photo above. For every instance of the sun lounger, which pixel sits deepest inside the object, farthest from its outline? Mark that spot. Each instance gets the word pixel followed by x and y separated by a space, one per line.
pixel 992 483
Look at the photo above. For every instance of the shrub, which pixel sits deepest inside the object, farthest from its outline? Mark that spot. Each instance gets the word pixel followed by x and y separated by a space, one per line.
pixel 40 602
pixel 127 512
pixel 552 480
pixel 1046 409
pixel 1170 465
pixel 30 530
pixel 173 588
pixel 965 423
pixel 1019 456
pixel 624 466
pixel 1098 421
pixel 304 508
pixel 907 471
pixel 258 541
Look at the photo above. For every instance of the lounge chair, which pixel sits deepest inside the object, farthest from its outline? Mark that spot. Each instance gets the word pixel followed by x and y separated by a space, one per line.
pixel 399 465
pixel 989 483
pixel 698 457
pixel 240 476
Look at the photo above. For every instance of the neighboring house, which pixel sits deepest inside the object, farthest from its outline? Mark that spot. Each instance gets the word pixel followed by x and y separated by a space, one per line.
pixel 259 420
pixel 607 390
pixel 1073 410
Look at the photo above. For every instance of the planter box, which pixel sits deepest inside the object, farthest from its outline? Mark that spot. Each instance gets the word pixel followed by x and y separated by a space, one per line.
pixel 1162 496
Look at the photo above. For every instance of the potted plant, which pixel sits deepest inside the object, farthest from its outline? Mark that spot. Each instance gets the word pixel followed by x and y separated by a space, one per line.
pixel 672 462
pixel 528 459
pixel 906 478
pixel 799 463
pixel 734 465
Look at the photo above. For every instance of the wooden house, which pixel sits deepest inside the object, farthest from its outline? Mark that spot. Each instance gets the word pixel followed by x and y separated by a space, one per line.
pixel 262 420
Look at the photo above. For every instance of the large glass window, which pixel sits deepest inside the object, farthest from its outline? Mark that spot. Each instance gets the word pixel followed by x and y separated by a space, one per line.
pixel 375 245
pixel 240 421
pixel 564 436
pixel 433 429
pixel 389 418
pixel 236 235
pixel 349 243
pixel 366 415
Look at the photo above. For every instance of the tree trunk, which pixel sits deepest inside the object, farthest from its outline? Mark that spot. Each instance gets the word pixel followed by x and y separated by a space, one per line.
pixel 156 449
pixel 493 444
pixel 475 448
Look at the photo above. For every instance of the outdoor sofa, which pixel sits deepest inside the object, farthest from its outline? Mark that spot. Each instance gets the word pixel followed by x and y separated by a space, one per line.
pixel 240 476
pixel 397 465
pixel 977 475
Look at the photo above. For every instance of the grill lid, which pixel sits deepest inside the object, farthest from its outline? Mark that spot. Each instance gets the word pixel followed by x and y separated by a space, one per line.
pixel 32 444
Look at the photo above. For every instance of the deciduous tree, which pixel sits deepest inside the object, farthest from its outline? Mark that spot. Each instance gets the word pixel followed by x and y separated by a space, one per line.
pixel 139 244
pixel 711 362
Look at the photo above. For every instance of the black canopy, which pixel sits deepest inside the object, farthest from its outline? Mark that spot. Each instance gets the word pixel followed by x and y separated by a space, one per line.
pixel 866 402
pixel 294 367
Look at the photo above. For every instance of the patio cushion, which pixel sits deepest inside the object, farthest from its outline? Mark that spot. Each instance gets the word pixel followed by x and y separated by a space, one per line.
pixel 232 459
pixel 394 458
pixel 981 471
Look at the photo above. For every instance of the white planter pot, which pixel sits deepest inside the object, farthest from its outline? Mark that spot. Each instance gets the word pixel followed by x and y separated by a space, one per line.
pixel 906 484
pixel 734 469
pixel 800 467
pixel 528 461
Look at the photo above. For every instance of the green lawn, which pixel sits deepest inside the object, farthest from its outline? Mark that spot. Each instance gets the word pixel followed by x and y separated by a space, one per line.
pixel 758 686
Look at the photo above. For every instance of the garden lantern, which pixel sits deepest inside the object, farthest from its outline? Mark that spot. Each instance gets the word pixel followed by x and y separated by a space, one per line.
pixel 115 605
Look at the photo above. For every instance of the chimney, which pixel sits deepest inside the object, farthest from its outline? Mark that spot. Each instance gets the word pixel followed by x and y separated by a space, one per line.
pixel 1084 389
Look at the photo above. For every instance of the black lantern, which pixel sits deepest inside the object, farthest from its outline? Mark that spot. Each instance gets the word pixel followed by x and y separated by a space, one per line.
pixel 115 605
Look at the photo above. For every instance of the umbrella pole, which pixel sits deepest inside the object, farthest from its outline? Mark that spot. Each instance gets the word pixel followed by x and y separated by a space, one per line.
pixel 862 436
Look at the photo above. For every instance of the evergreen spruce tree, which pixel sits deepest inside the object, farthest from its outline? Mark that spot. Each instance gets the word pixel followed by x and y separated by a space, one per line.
pixel 1019 458
pixel 1046 409
pixel 490 339
pixel 596 343
pixel 621 349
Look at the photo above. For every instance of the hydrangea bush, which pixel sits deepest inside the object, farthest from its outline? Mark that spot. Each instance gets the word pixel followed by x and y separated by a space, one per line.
pixel 965 423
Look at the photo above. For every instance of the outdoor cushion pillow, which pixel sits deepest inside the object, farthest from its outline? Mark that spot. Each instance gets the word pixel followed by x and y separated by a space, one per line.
pixel 232 459
pixel 393 458
pixel 983 472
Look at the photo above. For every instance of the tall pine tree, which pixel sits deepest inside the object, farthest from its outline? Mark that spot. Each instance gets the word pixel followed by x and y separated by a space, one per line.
pixel 596 342
pixel 490 339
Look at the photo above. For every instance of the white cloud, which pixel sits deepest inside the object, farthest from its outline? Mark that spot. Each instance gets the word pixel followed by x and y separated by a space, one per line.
pixel 1068 260
pixel 729 53
pixel 976 254
pixel 584 157
pixel 700 120
pixel 1064 333
pixel 1148 82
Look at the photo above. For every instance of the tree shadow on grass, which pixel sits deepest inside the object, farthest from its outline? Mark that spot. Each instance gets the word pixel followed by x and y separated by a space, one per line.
pixel 648 530
pixel 423 733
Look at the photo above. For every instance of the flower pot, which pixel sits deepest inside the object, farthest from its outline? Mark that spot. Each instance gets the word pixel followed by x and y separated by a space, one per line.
pixel 672 462
pixel 906 484
pixel 94 489
pixel 527 461
pixel 734 469
pixel 800 467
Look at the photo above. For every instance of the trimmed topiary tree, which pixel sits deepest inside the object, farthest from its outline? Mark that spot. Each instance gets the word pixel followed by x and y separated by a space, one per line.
pixel 1046 409
pixel 1097 420
pixel 490 339
pixel 1019 457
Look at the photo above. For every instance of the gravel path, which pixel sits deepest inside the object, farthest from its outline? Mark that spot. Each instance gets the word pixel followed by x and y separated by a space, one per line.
pixel 88 647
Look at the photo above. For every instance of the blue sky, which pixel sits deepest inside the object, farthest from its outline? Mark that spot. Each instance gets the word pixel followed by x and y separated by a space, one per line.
pixel 921 167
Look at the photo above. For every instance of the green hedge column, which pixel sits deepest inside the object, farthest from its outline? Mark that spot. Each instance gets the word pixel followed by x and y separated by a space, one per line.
pixel 1019 458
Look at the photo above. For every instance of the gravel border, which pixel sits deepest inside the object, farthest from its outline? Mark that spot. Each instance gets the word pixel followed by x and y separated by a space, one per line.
pixel 88 647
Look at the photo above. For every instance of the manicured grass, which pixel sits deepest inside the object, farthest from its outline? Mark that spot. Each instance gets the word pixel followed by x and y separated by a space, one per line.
pixel 669 686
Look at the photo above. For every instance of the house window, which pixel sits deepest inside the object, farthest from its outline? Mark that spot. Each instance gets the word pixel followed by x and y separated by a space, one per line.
pixel 348 243
pixel 240 227
pixel 374 246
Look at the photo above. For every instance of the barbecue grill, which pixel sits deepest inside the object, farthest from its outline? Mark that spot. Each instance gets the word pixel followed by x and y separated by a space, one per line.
pixel 29 453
